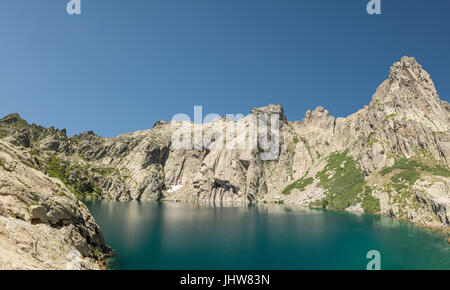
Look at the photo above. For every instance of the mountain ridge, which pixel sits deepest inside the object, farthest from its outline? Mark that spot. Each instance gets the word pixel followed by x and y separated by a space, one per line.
pixel 390 157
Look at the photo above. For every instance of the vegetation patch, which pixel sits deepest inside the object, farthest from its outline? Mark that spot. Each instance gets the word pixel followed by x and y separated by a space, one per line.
pixel 377 103
pixel 300 184
pixel 414 167
pixel 343 181
pixel 55 167
pixel 391 116
pixel 405 200
pixel 76 178
pixel 370 204
pixel 440 171
pixel 402 163
pixel 95 251
pixel 103 171
pixel 405 173
pixel 2 164
pixel 371 139
pixel 409 176
pixel 399 186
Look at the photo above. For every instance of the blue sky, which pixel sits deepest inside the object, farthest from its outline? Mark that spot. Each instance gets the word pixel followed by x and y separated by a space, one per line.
pixel 124 64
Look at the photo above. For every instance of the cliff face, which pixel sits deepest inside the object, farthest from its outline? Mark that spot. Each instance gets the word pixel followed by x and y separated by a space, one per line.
pixel 391 156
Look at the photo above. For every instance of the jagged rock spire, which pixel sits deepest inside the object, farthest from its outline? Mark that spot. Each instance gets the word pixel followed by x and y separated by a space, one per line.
pixel 270 110
pixel 408 73
pixel 410 94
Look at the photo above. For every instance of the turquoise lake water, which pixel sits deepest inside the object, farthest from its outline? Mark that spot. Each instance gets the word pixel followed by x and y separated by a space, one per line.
pixel 186 236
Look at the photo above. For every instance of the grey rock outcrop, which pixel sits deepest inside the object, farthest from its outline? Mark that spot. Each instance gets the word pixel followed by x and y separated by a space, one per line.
pixel 42 224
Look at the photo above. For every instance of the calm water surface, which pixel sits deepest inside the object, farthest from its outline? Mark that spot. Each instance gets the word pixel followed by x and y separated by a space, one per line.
pixel 186 236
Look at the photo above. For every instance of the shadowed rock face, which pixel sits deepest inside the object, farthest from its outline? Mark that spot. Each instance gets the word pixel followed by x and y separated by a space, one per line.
pixel 391 156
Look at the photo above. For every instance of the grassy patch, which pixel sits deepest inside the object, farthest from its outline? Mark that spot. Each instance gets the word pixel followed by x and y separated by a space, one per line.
pixel 409 176
pixel 343 181
pixel 2 164
pixel 413 167
pixel 299 184
pixel 371 204
pixel 79 183
pixel 399 186
pixel 295 140
pixel 399 164
pixel 56 168
pixel 440 171
pixel 104 171
pixel 391 116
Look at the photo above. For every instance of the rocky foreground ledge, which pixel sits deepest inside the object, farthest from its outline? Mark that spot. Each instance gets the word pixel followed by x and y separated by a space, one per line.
pixel 391 157
pixel 42 224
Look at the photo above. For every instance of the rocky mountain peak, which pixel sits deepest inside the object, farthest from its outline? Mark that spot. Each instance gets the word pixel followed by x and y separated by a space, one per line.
pixel 271 110
pixel 317 113
pixel 159 124
pixel 86 135
pixel 409 91
pixel 406 63
pixel 12 118
pixel 408 73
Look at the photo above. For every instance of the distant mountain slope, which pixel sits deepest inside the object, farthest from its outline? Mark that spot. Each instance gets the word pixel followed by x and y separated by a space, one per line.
pixel 390 157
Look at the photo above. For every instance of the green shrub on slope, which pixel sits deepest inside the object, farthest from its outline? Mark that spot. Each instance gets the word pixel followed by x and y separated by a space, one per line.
pixel 299 184
pixel 343 181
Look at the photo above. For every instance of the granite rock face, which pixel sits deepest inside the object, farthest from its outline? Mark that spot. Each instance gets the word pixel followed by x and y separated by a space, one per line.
pixel 390 157
pixel 42 224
